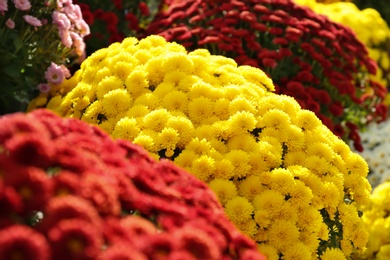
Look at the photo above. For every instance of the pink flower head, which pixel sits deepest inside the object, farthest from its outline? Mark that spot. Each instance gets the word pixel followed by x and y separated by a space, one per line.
pixel 23 5
pixel 10 23
pixel 32 20
pixel 61 20
pixel 83 27
pixel 3 5
pixel 65 71
pixel 54 74
pixel 65 38
pixel 44 87
pixel 78 43
pixel 62 3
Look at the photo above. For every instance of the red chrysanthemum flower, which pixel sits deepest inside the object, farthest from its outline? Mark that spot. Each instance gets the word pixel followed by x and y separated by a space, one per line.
pixel 24 243
pixel 31 184
pixel 75 239
pixel 103 196
pixel 69 207
pixel 122 251
pixel 198 243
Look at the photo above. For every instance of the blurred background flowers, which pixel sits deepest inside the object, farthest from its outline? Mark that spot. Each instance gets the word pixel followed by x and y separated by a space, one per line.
pixel 112 21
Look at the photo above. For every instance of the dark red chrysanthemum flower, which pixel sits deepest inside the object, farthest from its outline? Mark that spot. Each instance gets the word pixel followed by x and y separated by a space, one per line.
pixel 70 207
pixel 75 239
pixel 32 185
pixel 23 243
pixel 122 251
pixel 198 243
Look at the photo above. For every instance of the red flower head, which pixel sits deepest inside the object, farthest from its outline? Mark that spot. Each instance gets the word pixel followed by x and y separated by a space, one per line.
pixel 32 185
pixel 122 251
pixel 198 243
pixel 21 242
pixel 75 239
pixel 69 207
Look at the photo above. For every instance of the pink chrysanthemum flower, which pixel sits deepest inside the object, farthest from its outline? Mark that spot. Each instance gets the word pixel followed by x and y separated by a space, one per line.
pixel 54 74
pixel 10 23
pixel 32 20
pixel 23 5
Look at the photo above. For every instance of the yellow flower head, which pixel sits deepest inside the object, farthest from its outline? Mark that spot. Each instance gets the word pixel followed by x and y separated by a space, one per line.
pixel 333 254
pixel 239 209
pixel 224 189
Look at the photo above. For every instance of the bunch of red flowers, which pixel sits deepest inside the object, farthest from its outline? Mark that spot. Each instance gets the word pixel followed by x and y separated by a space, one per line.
pixel 320 63
pixel 112 21
pixel 68 191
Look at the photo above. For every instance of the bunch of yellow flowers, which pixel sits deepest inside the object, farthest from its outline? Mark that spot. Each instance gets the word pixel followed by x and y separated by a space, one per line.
pixel 283 178
pixel 377 219
pixel 369 26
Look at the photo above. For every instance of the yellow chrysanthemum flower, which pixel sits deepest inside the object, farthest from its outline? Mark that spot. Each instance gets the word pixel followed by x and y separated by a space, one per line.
pixel 241 123
pixel 224 189
pixel 126 128
pixel 297 251
pixel 333 254
pixel 239 209
pixel 202 167
pixel 283 233
pixel 377 222
pixel 282 176
pixel 250 187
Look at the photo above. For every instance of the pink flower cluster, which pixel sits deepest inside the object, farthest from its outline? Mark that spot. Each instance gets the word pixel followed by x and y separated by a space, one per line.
pixel 68 191
pixel 71 25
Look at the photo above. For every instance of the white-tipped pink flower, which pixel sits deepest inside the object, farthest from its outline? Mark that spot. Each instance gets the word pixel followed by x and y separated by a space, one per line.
pixel 10 23
pixel 54 74
pixel 32 20
pixel 23 5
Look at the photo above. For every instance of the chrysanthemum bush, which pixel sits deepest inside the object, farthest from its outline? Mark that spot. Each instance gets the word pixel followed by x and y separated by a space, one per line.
pixel 320 63
pixel 283 178
pixel 376 143
pixel 112 21
pixel 369 27
pixel 377 219
pixel 39 41
pixel 69 191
